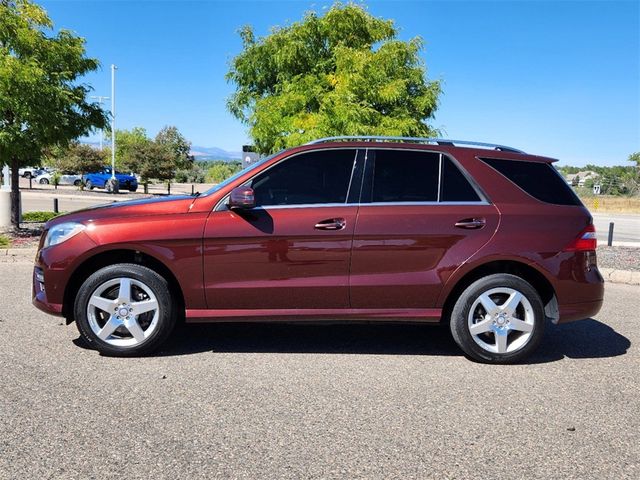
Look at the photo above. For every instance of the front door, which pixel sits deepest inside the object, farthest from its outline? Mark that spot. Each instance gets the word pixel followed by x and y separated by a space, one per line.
pixel 292 251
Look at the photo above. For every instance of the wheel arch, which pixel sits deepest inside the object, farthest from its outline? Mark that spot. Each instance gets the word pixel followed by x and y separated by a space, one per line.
pixel 111 257
pixel 520 269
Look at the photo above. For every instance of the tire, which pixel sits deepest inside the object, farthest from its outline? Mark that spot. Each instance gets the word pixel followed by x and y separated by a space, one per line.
pixel 77 183
pixel 133 189
pixel 88 185
pixel 43 181
pixel 487 327
pixel 27 175
pixel 122 332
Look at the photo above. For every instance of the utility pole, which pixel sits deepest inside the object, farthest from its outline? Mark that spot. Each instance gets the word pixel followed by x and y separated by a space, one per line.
pixel 113 121
pixel 101 99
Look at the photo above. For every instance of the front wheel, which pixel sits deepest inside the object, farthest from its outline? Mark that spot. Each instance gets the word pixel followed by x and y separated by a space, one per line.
pixel 88 185
pixel 125 310
pixel 498 319
pixel 44 181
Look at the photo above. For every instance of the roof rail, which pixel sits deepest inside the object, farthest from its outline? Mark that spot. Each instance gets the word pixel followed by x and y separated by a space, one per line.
pixel 438 141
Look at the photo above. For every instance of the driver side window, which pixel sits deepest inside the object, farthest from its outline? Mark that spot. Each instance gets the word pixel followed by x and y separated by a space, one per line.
pixel 310 178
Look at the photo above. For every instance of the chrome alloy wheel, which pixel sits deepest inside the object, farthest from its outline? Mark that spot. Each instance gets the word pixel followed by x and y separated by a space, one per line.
pixel 501 320
pixel 123 312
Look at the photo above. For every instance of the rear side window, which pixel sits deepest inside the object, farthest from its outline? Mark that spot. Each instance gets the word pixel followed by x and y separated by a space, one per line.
pixel 540 180
pixel 405 176
pixel 414 176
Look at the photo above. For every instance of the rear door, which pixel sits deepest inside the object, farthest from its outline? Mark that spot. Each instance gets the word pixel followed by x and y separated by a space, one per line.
pixel 420 217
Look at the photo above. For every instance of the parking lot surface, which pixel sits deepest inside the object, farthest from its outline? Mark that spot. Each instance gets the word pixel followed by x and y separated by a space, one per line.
pixel 281 401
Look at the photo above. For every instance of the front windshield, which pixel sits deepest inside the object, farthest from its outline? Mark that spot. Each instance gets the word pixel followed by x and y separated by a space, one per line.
pixel 232 178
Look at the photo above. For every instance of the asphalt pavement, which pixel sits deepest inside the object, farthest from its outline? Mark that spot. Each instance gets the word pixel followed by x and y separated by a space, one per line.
pixel 282 401
pixel 626 227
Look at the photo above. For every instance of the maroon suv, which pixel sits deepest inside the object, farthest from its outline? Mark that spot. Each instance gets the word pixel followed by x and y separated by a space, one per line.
pixel 487 239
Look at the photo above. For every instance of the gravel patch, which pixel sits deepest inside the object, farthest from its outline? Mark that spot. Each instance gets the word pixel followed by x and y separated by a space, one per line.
pixel 619 258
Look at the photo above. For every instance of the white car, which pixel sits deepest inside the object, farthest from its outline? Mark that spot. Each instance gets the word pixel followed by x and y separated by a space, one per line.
pixel 65 179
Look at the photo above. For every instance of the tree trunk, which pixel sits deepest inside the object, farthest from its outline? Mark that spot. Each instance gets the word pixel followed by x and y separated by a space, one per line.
pixel 15 193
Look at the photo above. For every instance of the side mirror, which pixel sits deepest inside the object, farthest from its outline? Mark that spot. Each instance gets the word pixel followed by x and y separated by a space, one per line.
pixel 242 197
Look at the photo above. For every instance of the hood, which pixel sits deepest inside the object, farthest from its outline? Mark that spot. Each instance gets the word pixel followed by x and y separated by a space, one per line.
pixel 130 208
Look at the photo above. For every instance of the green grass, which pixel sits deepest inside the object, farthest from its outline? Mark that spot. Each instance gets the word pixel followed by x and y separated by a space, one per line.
pixel 39 216
pixel 5 242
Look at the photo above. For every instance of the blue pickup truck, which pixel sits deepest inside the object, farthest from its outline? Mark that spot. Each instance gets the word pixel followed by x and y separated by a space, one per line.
pixel 99 180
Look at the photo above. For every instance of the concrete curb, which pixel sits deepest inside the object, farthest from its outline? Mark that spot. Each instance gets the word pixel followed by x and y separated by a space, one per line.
pixel 620 276
pixel 26 255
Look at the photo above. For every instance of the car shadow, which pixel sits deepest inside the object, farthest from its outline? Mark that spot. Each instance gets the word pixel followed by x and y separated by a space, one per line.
pixel 583 339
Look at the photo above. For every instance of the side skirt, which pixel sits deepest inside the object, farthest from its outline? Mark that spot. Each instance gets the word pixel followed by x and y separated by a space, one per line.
pixel 426 315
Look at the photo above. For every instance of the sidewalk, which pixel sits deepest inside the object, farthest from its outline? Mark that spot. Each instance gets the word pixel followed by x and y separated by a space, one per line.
pixel 27 255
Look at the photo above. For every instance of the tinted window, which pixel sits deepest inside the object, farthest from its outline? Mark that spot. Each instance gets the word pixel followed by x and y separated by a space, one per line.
pixel 454 187
pixel 540 180
pixel 316 177
pixel 405 176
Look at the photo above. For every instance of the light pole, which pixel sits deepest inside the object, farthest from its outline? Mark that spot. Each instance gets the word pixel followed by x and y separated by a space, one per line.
pixel 101 100
pixel 113 121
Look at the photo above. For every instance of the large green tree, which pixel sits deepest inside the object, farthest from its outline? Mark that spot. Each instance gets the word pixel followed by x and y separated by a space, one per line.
pixel 41 101
pixel 344 73
pixel 78 158
pixel 177 144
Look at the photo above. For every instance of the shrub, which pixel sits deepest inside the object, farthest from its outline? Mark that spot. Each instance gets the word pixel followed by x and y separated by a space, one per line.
pixel 4 241
pixel 39 216
pixel 220 171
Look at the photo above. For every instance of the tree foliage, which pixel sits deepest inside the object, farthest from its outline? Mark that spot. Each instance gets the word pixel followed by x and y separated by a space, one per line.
pixel 635 158
pixel 177 144
pixel 78 158
pixel 219 171
pixel 344 73
pixel 41 102
pixel 150 160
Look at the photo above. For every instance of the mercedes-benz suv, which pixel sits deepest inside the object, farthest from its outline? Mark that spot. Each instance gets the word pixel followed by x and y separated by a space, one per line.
pixel 483 238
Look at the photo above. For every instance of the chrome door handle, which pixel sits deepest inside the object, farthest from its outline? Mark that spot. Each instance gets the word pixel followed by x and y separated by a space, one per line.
pixel 331 224
pixel 471 223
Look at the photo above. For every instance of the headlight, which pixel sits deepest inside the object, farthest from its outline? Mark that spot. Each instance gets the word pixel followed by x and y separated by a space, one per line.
pixel 62 232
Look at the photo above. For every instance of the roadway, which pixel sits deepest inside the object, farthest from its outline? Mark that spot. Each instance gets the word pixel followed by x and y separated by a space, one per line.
pixel 291 402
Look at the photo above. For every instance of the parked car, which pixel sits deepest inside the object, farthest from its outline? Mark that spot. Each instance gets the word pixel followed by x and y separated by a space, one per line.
pixel 100 179
pixel 28 172
pixel 488 240
pixel 66 178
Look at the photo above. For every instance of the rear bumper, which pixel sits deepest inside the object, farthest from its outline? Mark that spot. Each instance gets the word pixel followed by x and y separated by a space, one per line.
pixel 579 311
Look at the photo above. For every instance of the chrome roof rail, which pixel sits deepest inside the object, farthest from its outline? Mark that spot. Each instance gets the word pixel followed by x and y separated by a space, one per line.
pixel 437 141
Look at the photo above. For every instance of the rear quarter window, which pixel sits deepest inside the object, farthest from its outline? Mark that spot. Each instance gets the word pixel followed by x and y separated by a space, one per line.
pixel 540 180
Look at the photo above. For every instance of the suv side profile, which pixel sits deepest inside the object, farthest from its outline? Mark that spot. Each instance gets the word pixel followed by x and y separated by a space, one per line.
pixel 484 238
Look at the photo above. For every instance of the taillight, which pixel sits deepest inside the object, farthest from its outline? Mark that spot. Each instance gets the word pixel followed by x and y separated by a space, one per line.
pixel 585 241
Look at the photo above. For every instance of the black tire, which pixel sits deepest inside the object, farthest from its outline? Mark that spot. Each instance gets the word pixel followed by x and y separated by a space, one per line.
pixel 27 175
pixel 471 344
pixel 77 183
pixel 164 318
pixel 43 181
pixel 88 185
pixel 133 189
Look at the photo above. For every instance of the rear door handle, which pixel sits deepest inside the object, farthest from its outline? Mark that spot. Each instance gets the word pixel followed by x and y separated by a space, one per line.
pixel 471 223
pixel 331 224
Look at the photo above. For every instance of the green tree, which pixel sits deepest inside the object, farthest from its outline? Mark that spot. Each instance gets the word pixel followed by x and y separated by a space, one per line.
pixel 150 160
pixel 78 158
pixel 126 142
pixel 344 73
pixel 171 137
pixel 41 102
pixel 635 158
pixel 219 171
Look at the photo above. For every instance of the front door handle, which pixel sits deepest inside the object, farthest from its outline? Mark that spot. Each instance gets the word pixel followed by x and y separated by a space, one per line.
pixel 331 224
pixel 471 223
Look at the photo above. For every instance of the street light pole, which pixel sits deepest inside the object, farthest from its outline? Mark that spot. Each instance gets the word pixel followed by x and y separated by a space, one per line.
pixel 101 99
pixel 113 121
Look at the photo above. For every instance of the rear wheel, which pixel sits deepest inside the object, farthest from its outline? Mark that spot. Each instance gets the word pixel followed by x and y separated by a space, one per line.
pixel 77 183
pixel 125 310
pixel 44 181
pixel 498 319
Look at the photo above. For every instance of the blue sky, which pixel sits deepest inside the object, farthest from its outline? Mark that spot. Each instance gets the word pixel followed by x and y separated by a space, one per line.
pixel 558 78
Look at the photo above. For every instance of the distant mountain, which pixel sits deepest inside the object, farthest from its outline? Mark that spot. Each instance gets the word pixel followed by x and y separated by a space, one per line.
pixel 200 153
pixel 214 153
